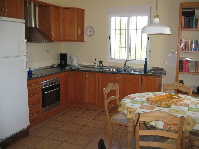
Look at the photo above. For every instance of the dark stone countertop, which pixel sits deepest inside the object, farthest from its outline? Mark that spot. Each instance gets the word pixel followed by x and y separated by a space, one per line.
pixel 42 72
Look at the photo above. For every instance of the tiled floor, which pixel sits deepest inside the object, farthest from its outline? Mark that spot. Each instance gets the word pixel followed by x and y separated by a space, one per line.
pixel 73 128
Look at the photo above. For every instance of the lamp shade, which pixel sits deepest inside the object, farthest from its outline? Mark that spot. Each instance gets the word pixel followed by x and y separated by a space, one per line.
pixel 156 28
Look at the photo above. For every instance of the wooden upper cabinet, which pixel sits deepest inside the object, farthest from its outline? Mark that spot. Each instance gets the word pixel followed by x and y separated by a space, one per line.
pixel 49 21
pixel 80 24
pixel 61 23
pixel 68 24
pixel 12 8
pixel 55 23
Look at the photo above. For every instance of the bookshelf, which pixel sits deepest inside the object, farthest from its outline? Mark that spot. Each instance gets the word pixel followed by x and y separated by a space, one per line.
pixel 187 65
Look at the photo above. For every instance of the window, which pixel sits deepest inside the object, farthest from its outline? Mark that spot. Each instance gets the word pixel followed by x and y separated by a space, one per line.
pixel 125 38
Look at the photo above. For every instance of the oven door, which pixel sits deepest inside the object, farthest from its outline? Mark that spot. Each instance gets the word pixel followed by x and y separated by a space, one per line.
pixel 50 97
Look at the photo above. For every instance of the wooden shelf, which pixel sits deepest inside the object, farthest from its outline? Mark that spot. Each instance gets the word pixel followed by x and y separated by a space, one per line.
pixel 190 29
pixel 189 51
pixel 193 73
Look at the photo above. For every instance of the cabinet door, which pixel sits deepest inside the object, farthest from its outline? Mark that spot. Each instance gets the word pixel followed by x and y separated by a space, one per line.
pixel 10 8
pixel 68 25
pixel 129 84
pixel 65 89
pixel 55 23
pixel 80 24
pixel 91 87
pixel 78 88
pixel 151 84
pixel 104 79
pixel 44 20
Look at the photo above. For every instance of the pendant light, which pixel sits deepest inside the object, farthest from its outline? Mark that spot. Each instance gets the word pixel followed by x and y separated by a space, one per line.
pixel 156 27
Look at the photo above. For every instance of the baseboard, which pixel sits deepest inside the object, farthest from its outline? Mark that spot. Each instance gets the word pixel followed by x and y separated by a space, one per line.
pixel 14 138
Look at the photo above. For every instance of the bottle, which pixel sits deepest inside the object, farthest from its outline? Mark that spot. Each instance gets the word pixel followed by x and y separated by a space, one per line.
pixel 95 63
pixel 30 73
pixel 100 62
pixel 145 66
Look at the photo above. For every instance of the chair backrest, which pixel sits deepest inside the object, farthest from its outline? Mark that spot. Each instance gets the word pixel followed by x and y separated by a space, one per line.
pixel 179 86
pixel 169 120
pixel 111 102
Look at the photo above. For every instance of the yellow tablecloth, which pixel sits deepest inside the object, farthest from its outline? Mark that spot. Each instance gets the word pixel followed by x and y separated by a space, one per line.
pixel 189 108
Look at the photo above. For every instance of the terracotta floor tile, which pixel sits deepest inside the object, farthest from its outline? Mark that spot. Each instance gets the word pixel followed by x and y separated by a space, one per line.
pixel 89 131
pixel 81 121
pixel 103 134
pixel 75 112
pixel 71 127
pixel 89 115
pixel 102 117
pixel 65 118
pixel 97 124
pixel 60 135
pixel 79 139
pixel 30 140
pixel 68 146
pixel 54 124
pixel 47 144
pixel 42 131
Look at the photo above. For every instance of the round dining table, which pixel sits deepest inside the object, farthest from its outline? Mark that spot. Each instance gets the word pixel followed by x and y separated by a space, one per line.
pixel 187 106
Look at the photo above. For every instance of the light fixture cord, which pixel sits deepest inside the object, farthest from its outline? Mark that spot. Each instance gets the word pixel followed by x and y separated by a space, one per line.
pixel 156 16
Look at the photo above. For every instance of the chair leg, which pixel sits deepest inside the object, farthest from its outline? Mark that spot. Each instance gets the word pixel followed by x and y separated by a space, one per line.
pixel 110 127
pixel 119 133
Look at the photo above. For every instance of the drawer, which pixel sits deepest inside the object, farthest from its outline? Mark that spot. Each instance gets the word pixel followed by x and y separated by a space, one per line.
pixel 34 102
pixel 33 93
pixel 34 113
pixel 34 84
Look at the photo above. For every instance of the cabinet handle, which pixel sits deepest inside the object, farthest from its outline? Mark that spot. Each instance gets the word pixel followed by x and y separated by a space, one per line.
pixel 53 34
pixel 79 31
pixel 86 77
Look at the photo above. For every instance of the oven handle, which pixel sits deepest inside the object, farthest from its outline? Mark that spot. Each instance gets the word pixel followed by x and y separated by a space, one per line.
pixel 51 90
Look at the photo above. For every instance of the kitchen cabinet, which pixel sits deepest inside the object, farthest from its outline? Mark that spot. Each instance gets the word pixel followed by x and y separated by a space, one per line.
pixel 49 21
pixel 34 99
pixel 65 89
pixel 129 84
pixel 91 87
pixel 151 83
pixel 78 90
pixel 61 23
pixel 84 87
pixel 187 68
pixel 12 8
pixel 104 79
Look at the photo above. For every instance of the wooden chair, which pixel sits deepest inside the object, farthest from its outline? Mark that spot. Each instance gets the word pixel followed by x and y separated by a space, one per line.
pixel 179 86
pixel 165 117
pixel 112 104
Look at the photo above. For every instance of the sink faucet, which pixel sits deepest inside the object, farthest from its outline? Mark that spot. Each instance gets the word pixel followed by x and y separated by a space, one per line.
pixel 126 67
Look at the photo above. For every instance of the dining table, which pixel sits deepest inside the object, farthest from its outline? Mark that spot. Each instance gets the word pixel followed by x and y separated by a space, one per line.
pixel 183 105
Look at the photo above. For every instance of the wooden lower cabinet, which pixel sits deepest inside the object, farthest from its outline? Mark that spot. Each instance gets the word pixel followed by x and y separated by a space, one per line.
pixel 104 79
pixel 84 88
pixel 129 84
pixel 151 83
pixel 34 99
pixel 65 89
pixel 78 87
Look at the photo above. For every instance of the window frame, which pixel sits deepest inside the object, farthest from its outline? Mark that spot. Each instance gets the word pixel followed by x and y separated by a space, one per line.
pixel 114 12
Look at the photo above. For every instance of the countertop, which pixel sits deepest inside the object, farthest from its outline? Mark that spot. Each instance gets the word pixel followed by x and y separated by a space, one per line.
pixel 41 72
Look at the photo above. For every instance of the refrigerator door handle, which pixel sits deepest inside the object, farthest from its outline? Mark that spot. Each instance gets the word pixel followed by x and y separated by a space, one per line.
pixel 24 65
pixel 23 45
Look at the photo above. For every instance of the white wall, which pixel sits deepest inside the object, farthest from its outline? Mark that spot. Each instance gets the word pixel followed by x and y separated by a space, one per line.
pixel 97 45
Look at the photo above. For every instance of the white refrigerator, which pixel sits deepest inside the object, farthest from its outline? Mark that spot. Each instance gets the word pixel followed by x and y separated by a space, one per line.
pixel 14 111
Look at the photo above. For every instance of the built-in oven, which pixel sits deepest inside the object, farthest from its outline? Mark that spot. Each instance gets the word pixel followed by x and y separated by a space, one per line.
pixel 50 94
